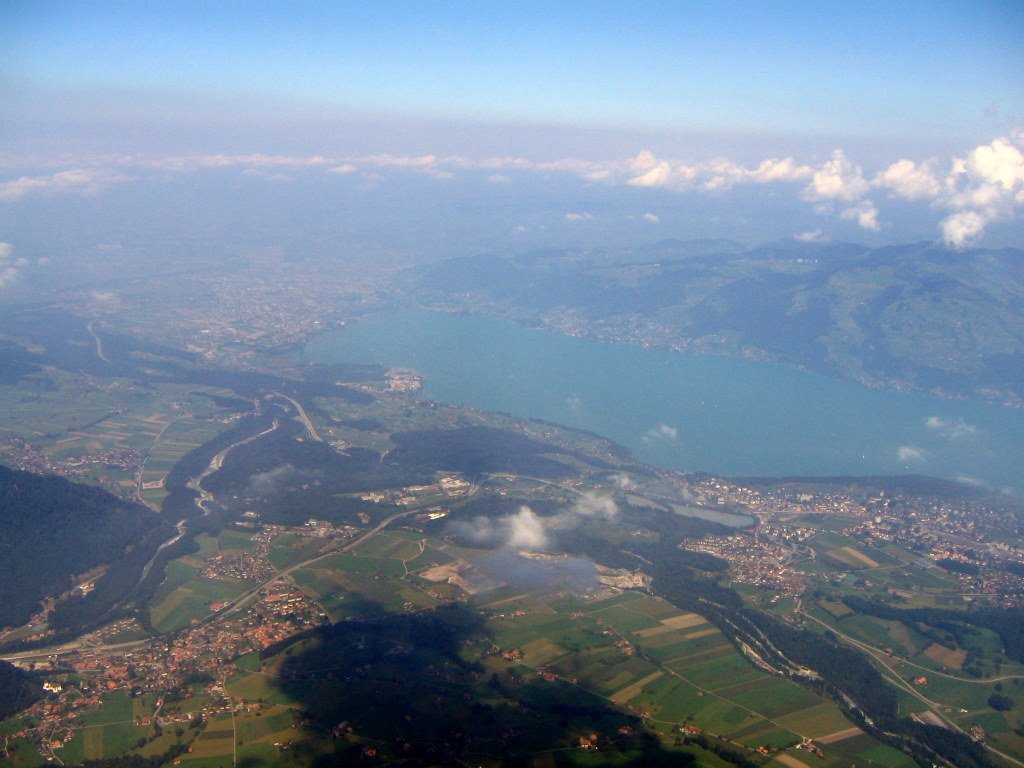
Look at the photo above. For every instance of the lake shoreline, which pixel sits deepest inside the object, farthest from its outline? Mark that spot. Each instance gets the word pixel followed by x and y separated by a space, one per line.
pixel 687 412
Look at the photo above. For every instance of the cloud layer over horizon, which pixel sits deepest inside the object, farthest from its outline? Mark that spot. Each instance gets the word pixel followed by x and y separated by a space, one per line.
pixel 982 187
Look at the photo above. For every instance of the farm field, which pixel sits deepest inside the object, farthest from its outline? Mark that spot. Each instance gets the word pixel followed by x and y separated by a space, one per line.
pixel 635 653
pixel 187 594
pixel 850 553
pixel 632 650
pixel 376 578
pixel 937 670
pixel 109 731
pixel 632 657
pixel 142 431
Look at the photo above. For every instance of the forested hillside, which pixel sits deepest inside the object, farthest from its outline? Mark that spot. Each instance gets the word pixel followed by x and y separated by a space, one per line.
pixel 17 690
pixel 52 530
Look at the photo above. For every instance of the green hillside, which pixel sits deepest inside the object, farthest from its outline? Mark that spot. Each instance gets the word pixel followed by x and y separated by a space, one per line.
pixel 52 530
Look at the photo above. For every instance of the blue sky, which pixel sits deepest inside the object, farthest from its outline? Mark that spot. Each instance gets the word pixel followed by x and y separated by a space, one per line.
pixel 882 70
pixel 868 121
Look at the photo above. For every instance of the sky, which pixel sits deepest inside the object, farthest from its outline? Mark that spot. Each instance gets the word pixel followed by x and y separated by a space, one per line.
pixel 879 122
pixel 868 69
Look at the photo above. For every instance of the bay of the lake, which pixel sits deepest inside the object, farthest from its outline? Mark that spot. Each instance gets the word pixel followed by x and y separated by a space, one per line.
pixel 690 412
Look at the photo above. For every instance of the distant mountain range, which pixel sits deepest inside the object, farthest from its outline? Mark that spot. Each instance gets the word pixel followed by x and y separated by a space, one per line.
pixel 911 316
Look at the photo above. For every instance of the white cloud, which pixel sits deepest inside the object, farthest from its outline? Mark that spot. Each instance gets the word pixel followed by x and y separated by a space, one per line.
pixel 910 453
pixel 594 505
pixel 72 181
pixel 989 198
pixel 262 173
pixel 644 161
pixel 810 236
pixel 259 160
pixel 725 174
pixel 658 176
pixel 522 530
pixel 999 162
pixel 909 180
pixel 970 480
pixel 526 530
pixel 8 265
pixel 985 187
pixel 951 429
pixel 573 165
pixel 865 213
pixel 438 167
pixel 653 219
pixel 837 179
pixel 662 432
pixel 421 161
pixel 624 481
pixel 780 170
pixel 962 229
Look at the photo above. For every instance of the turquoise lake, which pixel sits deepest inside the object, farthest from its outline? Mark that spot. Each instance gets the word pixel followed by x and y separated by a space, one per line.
pixel 690 412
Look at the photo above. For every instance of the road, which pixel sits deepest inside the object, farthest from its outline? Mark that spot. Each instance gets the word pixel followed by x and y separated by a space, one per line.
pixel 73 647
pixel 149 453
pixel 894 677
pixel 81 643
pixel 243 599
pixel 927 670
pixel 313 434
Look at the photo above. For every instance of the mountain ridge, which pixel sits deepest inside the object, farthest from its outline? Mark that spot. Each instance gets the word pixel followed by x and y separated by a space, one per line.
pixel 913 316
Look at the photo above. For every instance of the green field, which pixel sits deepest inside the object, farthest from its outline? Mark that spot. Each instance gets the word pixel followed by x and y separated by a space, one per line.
pixel 106 732
pixel 290 549
pixel 71 419
pixel 186 595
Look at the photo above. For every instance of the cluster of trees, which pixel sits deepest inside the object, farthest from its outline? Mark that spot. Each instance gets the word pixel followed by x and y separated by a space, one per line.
pixel 15 362
pixel 78 613
pixel 725 751
pixel 959 566
pixel 475 451
pixel 847 673
pixel 289 480
pixel 1001 703
pixel 254 384
pixel 1005 622
pixel 18 690
pixel 844 669
pixel 52 529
